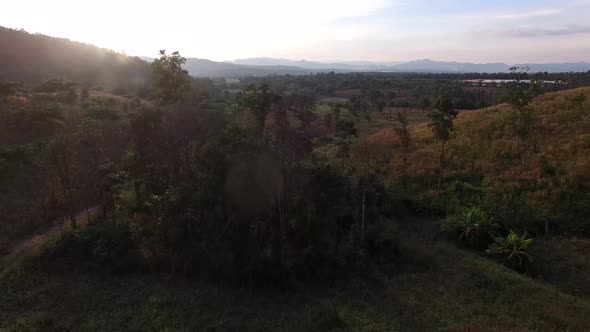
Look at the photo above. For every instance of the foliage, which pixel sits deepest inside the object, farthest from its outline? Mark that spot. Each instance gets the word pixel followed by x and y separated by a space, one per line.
pixel 441 118
pixel 8 88
pixel 105 246
pixel 428 292
pixel 53 86
pixel 512 249
pixel 291 178
pixel 405 138
pixel 473 226
pixel 171 81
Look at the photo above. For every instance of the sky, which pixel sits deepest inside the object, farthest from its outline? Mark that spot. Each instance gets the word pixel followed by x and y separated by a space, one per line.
pixel 322 30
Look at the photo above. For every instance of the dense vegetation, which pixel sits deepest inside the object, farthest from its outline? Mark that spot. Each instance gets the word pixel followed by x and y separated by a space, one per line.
pixel 411 90
pixel 283 184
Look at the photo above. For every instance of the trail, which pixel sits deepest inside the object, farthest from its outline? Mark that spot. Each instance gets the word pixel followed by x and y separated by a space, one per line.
pixel 59 225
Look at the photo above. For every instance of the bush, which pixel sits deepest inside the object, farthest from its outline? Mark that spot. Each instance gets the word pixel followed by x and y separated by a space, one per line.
pixel 108 246
pixel 473 226
pixel 512 249
pixel 382 240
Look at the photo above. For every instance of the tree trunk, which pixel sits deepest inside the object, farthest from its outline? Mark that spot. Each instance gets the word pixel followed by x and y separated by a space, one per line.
pixel 363 216
pixel 64 174
pixel 363 208
pixel 136 189
pixel 404 174
pixel 441 160
pixel 278 241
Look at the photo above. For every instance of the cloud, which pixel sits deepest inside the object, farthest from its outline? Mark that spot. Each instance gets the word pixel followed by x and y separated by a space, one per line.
pixel 511 16
pixel 528 32
pixel 530 14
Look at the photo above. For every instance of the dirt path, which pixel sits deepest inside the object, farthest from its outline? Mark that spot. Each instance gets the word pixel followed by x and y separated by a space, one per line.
pixel 58 225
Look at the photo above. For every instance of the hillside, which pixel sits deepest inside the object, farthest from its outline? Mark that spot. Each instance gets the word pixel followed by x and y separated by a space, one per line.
pixel 33 58
pixel 434 287
pixel 550 181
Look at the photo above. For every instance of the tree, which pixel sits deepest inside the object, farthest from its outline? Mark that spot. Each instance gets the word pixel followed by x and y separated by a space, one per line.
pixel 442 116
pixel 171 81
pixel 259 101
pixel 303 108
pixel 371 158
pixel 519 94
pixel 60 156
pixel 9 88
pixel 84 95
pixel 406 140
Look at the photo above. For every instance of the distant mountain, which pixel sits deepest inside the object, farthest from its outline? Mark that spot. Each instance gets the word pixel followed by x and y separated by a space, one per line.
pixel 559 67
pixel 33 58
pixel 460 67
pixel 412 66
pixel 208 68
pixel 295 63
pixel 279 66
pixel 450 67
pixel 276 66
pixel 318 66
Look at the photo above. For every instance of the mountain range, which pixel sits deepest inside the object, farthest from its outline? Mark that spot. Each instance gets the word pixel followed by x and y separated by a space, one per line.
pixel 280 66
pixel 36 57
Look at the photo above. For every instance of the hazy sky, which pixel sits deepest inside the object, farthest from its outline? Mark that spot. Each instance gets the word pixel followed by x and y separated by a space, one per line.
pixel 378 30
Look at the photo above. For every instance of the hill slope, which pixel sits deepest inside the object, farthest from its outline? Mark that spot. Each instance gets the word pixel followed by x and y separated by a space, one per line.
pixel 439 288
pixel 549 180
pixel 33 58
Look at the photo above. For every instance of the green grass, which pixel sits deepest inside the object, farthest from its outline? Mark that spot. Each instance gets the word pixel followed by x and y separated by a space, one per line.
pixel 436 286
pixel 564 262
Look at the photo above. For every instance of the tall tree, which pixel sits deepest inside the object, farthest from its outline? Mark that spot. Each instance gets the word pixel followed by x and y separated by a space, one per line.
pixel 442 115
pixel 405 138
pixel 519 95
pixel 171 81
pixel 259 100
pixel 61 155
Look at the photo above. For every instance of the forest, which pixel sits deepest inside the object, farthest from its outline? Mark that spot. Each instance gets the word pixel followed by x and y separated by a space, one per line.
pixel 326 202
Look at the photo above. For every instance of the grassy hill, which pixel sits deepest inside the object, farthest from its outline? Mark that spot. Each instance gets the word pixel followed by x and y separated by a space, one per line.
pixel 550 178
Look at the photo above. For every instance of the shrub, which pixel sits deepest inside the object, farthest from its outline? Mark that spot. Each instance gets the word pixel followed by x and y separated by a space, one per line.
pixel 106 246
pixel 473 226
pixel 512 249
pixel 382 240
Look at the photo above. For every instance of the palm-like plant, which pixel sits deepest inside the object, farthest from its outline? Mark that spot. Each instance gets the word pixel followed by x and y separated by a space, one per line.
pixel 514 249
pixel 472 225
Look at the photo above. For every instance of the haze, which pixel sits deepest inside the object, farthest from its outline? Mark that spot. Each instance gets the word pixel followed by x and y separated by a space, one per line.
pixel 321 30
